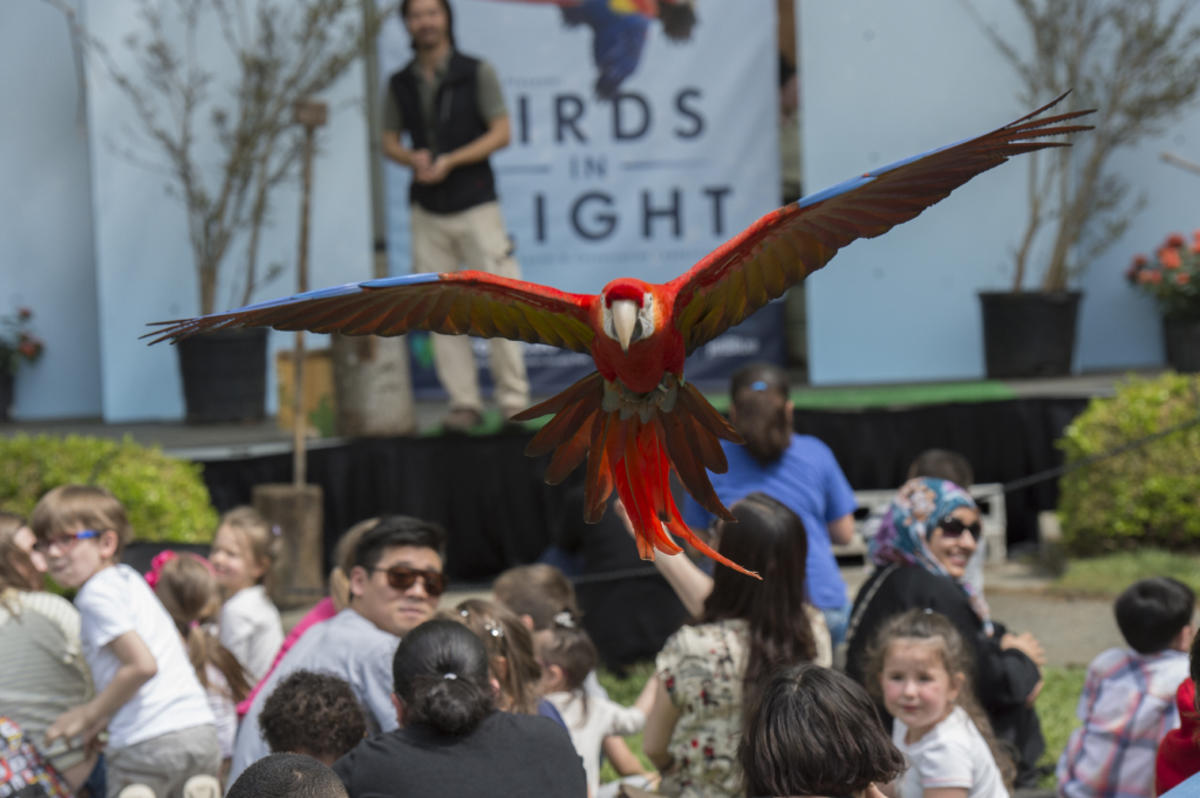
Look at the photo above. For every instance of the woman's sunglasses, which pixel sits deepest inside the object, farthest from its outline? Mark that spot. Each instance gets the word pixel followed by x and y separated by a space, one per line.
pixel 953 527
pixel 401 577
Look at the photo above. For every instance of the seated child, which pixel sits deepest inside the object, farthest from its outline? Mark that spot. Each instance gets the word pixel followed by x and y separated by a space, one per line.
pixel 815 731
pixel 1178 757
pixel 567 656
pixel 539 593
pixel 1128 701
pixel 242 553
pixel 919 666
pixel 287 776
pixel 160 726
pixel 187 588
pixel 315 714
pixel 510 655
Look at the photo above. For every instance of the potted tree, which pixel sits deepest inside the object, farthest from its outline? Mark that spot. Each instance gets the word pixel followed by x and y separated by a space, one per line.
pixel 1138 63
pixel 225 152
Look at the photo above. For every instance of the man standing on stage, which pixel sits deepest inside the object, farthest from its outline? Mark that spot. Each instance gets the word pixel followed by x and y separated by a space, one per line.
pixel 453 110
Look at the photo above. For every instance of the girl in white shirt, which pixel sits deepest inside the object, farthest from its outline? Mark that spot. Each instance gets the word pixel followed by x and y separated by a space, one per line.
pixel 919 667
pixel 567 655
pixel 242 553
pixel 188 589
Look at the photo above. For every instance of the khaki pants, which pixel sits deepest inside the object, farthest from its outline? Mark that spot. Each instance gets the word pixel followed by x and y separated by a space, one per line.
pixel 471 239
pixel 164 763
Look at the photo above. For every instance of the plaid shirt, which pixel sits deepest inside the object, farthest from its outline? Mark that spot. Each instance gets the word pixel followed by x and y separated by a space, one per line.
pixel 1127 706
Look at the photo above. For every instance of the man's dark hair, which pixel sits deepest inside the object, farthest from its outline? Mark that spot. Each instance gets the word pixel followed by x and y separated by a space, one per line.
pixel 943 464
pixel 1150 612
pixel 397 530
pixel 312 713
pixel 815 731
pixel 283 775
pixel 404 4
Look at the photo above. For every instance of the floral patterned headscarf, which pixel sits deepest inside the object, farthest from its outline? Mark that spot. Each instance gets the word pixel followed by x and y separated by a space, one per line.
pixel 915 512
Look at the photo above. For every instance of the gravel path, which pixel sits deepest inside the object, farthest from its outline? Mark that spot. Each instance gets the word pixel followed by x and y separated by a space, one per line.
pixel 1072 631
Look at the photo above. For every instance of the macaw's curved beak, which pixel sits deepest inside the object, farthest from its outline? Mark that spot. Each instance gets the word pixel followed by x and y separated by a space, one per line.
pixel 624 316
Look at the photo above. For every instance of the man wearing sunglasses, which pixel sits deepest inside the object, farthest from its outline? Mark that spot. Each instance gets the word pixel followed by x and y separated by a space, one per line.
pixel 394 587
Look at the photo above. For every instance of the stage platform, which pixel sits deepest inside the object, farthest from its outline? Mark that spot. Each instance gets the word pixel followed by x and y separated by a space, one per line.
pixel 499 512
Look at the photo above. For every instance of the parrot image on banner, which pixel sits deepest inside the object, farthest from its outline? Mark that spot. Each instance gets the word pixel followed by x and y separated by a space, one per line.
pixel 619 30
pixel 635 420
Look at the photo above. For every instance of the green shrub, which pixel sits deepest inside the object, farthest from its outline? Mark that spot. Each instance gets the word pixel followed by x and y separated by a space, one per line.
pixel 165 498
pixel 1147 496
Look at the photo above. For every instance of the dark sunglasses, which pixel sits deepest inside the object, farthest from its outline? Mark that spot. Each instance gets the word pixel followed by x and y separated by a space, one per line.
pixel 401 577
pixel 952 527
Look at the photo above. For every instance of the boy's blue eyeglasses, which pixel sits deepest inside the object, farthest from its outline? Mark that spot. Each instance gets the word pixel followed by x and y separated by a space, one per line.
pixel 65 542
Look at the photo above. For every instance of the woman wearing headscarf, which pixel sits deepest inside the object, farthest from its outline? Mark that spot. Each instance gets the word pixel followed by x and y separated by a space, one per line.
pixel 920 554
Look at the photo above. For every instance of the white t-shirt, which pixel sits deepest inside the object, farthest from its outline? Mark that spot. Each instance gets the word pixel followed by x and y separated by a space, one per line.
pixel 952 754
pixel 251 630
pixel 604 717
pixel 117 600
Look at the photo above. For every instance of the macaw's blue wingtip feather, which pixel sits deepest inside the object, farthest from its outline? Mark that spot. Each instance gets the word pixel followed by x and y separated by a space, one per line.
pixel 418 278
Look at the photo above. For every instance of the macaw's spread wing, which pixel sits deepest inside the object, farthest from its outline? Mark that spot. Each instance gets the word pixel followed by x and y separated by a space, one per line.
pixel 461 303
pixel 785 246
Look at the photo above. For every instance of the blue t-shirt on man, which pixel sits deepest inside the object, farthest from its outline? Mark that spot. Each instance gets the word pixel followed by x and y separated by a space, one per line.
pixel 809 481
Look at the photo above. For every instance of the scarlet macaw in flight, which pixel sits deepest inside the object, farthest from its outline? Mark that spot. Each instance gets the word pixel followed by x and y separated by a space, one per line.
pixel 635 419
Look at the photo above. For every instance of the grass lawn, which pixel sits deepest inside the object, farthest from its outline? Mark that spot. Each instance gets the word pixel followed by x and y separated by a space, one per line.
pixel 1056 707
pixel 1108 575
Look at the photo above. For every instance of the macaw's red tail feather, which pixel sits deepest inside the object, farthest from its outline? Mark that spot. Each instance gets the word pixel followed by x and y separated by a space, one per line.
pixel 591 384
pixel 690 465
pixel 693 403
pixel 632 447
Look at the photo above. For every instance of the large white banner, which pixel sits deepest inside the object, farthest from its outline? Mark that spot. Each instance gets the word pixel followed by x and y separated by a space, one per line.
pixel 633 153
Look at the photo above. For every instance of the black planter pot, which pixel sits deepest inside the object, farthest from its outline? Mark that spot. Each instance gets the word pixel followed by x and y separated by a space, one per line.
pixel 1182 339
pixel 224 375
pixel 6 393
pixel 1029 334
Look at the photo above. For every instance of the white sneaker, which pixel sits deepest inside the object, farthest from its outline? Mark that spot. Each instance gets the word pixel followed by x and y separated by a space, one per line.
pixel 201 787
pixel 136 791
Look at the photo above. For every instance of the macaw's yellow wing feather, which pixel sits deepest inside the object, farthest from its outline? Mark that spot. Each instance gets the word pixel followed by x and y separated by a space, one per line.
pixel 785 246
pixel 467 303
pixel 632 445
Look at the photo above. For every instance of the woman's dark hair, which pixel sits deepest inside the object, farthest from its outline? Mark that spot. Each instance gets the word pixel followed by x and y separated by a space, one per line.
pixel 815 732
pixel 956 656
pixel 312 713
pixel 768 538
pixel 440 673
pixel 759 393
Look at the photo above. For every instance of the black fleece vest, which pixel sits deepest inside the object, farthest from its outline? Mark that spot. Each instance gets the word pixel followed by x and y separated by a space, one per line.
pixel 458 123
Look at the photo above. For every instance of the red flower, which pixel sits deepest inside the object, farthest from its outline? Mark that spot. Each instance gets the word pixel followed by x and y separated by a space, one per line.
pixel 1182 278
pixel 1169 257
pixel 1196 242
pixel 25 314
pixel 1150 276
pixel 1175 240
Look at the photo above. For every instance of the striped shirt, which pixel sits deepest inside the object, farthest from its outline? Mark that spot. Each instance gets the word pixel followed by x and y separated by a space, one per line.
pixel 42 669
pixel 1127 707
